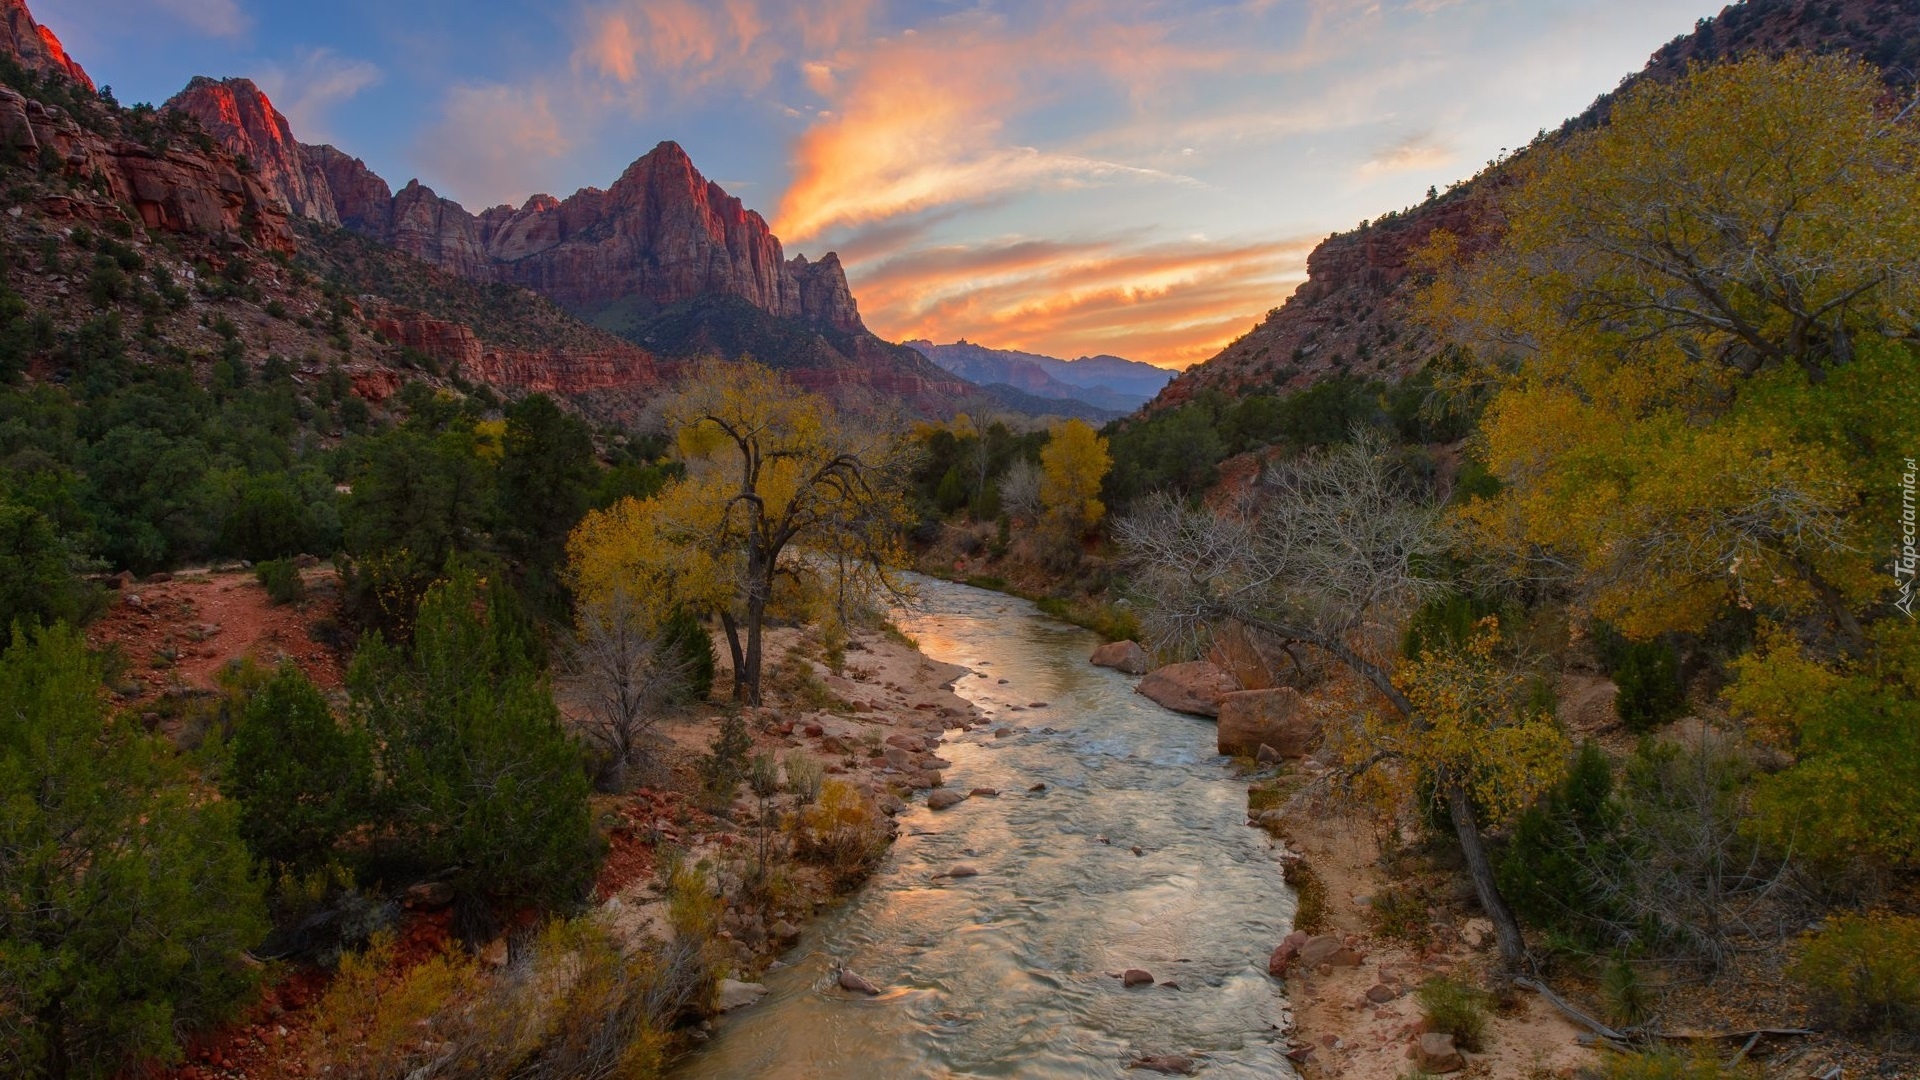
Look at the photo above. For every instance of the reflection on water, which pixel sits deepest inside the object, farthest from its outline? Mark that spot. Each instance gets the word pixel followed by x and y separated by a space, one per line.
pixel 1009 974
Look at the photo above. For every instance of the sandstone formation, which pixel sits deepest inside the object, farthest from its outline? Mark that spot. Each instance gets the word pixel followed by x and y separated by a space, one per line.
pixel 176 189
pixel 1252 719
pixel 34 47
pixel 239 116
pixel 616 365
pixel 1195 687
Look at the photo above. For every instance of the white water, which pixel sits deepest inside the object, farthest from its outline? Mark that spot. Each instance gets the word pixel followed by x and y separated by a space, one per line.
pixel 1008 974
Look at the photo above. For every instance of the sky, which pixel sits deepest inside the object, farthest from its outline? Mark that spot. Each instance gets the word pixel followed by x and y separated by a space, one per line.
pixel 1071 177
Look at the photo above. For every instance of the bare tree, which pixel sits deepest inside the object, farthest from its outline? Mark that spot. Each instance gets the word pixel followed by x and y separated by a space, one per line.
pixel 624 676
pixel 1330 552
pixel 1020 489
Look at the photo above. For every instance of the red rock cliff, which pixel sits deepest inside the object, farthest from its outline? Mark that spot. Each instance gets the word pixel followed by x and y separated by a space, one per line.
pixel 33 46
pixel 237 114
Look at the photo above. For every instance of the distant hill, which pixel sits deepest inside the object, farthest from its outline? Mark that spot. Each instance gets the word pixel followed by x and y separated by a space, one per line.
pixel 1106 382
pixel 1350 316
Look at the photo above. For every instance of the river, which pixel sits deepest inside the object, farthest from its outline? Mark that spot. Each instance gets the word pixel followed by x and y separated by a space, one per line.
pixel 1010 973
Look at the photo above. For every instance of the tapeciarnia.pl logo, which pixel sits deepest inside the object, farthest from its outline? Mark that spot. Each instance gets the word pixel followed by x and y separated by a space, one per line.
pixel 1904 563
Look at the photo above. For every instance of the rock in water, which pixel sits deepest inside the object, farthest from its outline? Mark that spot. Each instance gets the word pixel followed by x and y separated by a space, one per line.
pixel 945 800
pixel 738 995
pixel 1195 687
pixel 1136 977
pixel 856 984
pixel 1122 656
pixel 1170 1064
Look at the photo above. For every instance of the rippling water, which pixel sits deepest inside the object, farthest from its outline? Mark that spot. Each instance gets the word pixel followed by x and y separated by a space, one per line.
pixel 1009 974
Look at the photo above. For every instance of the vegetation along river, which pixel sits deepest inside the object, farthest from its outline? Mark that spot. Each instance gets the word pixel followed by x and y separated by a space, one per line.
pixel 1013 972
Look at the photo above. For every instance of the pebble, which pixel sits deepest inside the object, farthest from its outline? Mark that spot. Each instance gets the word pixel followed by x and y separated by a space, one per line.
pixel 1136 977
pixel 857 984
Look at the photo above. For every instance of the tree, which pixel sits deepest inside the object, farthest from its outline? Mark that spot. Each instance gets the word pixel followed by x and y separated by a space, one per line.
pixel 418 499
pixel 1020 490
pixel 1686 323
pixel 37 584
pixel 479 776
pixel 125 900
pixel 546 471
pixel 771 470
pixel 1330 551
pixel 301 778
pixel 1072 465
pixel 625 672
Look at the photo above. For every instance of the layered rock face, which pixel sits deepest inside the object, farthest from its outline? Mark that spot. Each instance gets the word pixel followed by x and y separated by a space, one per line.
pixel 237 114
pixel 615 366
pixel 34 47
pixel 175 189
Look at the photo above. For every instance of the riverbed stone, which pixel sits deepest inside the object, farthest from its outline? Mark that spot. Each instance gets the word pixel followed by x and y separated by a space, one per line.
pixel 984 793
pixel 857 984
pixel 1122 656
pixel 1434 1052
pixel 1330 950
pixel 1136 977
pixel 738 995
pixel 1285 952
pixel 960 870
pixel 1168 1064
pixel 1196 687
pixel 1251 719
pixel 945 800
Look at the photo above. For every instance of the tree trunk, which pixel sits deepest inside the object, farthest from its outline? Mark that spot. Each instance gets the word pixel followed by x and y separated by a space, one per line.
pixel 1506 929
pixel 756 615
pixel 733 646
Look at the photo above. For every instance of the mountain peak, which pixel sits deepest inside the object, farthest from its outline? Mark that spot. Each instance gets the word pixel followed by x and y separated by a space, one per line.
pixel 35 47
pixel 238 114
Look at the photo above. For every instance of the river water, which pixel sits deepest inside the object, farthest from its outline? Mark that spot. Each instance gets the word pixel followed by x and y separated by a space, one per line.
pixel 1010 973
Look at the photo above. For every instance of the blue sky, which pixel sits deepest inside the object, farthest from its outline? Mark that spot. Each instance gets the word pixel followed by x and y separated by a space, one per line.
pixel 1140 177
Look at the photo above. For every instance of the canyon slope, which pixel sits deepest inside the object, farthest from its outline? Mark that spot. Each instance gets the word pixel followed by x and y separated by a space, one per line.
pixel 1351 314
pixel 663 258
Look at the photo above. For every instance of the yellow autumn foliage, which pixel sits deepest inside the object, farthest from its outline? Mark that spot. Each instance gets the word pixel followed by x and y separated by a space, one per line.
pixel 1072 466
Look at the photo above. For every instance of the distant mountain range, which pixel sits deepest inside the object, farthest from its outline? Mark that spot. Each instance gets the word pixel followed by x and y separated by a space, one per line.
pixel 1109 384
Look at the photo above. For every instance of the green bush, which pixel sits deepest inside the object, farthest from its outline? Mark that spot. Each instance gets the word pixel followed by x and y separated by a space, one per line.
pixel 1648 676
pixel 281 579
pixel 1864 971
pixel 1668 1065
pixel 301 778
pixel 687 642
pixel 1547 870
pixel 1456 1009
pixel 37 584
pixel 1628 1001
pixel 725 763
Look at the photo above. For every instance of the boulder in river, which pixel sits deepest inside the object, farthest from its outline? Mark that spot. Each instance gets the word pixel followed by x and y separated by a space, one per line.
pixel 1122 656
pixel 1169 1064
pixel 857 984
pixel 945 800
pixel 1250 719
pixel 738 995
pixel 1196 687
pixel 1136 977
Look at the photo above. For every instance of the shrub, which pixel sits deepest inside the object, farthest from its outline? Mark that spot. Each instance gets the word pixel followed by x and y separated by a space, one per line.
pixel 844 832
pixel 724 764
pixel 687 640
pixel 1648 676
pixel 281 579
pixel 1310 895
pixel 1668 1065
pixel 1547 871
pixel 1456 1009
pixel 302 780
pixel 804 776
pixel 1401 914
pixel 1625 995
pixel 1864 971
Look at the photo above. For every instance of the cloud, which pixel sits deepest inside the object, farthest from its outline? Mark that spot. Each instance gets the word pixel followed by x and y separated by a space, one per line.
pixel 679 46
pixel 1416 153
pixel 1169 303
pixel 216 18
pixel 317 80
pixel 922 121
pixel 498 142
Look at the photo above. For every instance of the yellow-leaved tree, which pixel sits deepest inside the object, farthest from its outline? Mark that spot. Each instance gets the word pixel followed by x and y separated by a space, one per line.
pixel 779 486
pixel 1699 327
pixel 1689 323
pixel 1072 466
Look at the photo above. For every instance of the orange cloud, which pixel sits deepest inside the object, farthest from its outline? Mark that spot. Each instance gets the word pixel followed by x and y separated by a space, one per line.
pixel 1414 154
pixel 918 121
pixel 688 44
pixel 1167 304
